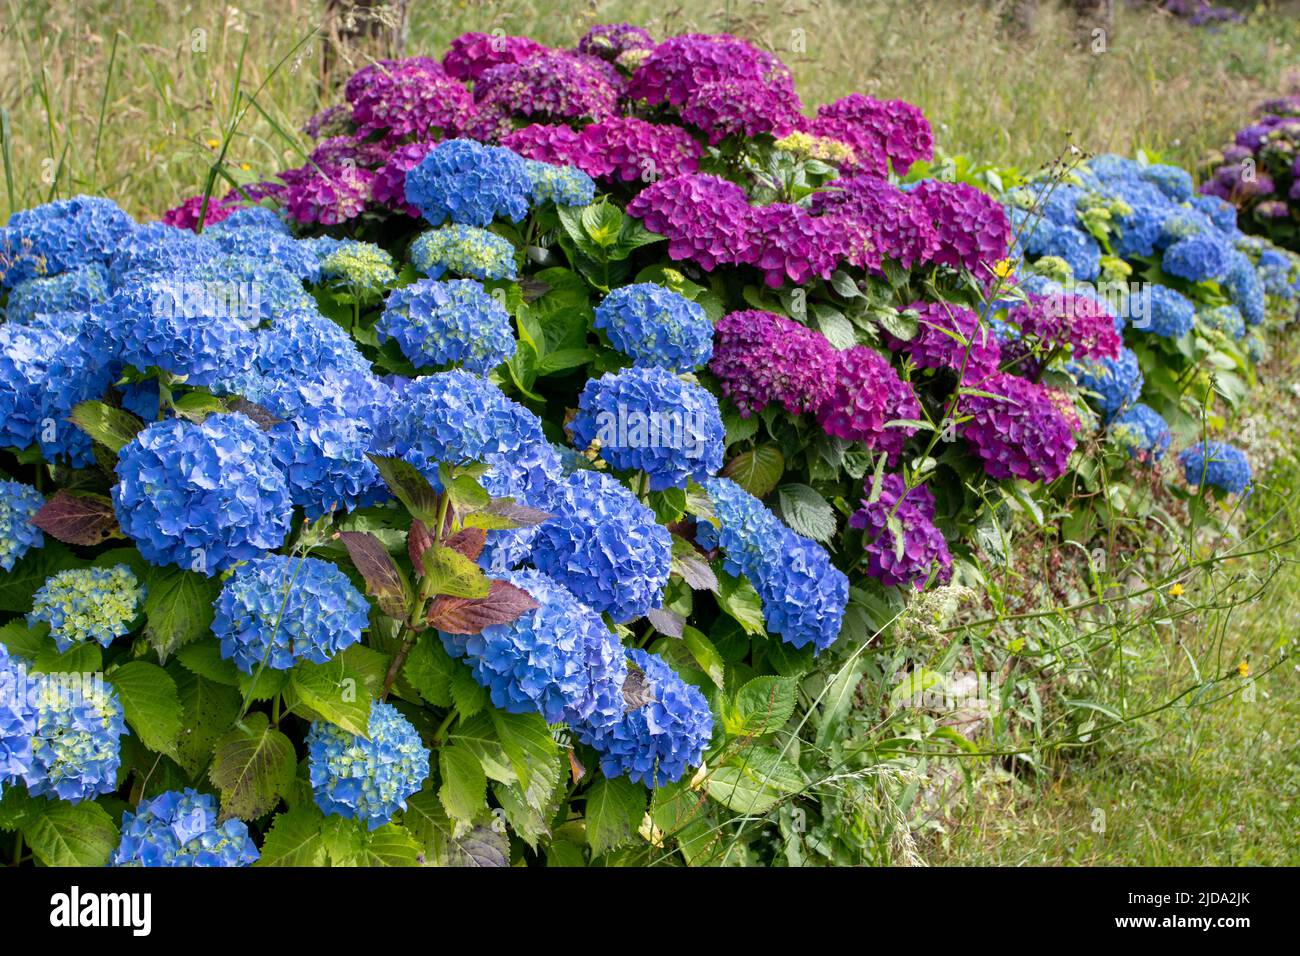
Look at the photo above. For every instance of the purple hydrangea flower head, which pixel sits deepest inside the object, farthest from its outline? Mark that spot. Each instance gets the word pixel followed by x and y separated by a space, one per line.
pixel 558 660
pixel 409 98
pixel 705 219
pixel 18 535
pixel 934 346
pixel 469 183
pixel 470 55
pixel 1062 318
pixel 627 149
pixel 803 594
pixel 180 828
pixel 742 107
pixel 550 86
pixel 879 133
pixel 971 226
pixel 1217 464
pixel 190 213
pixel 362 778
pixel 647 419
pixel 787 242
pixel 604 546
pixel 760 357
pixel 679 66
pixel 865 395
pixel 902 229
pixel 448 323
pixel 547 143
pixel 657 742
pixel 1141 430
pixel 919 552
pixel 283 609
pixel 1020 434
pixel 330 195
pixel 609 40
pixel 389 185
pixel 653 325
pixel 201 496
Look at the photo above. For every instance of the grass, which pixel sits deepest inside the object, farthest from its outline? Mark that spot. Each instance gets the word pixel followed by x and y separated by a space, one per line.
pixel 132 100
pixel 136 100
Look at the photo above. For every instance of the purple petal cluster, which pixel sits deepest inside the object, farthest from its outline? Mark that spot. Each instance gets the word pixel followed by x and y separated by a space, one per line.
pixel 912 556
pixel 1019 434
pixel 760 357
pixel 865 395
pixel 974 350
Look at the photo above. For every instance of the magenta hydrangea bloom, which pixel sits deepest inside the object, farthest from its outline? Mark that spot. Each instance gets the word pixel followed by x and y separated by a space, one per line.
pixel 1023 434
pixel 331 121
pixel 1061 318
pixel 330 195
pixel 409 98
pixel 705 218
pixel 626 148
pixel 971 226
pixel 933 346
pixel 558 145
pixel 550 86
pixel 865 394
pixel 923 550
pixel 760 357
pixel 900 227
pixel 609 40
pixel 389 185
pixel 470 55
pixel 349 150
pixel 678 67
pixel 879 132
pixel 742 107
pixel 787 242
pixel 186 215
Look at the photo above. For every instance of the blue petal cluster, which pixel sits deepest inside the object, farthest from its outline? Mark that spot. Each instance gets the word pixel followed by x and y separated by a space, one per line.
pixel 1216 463
pixel 17 720
pixel 561 185
pixel 251 217
pixel 283 609
pixel 74 291
pixel 157 249
pixel 1245 286
pixel 1222 318
pixel 448 323
pixel 18 505
pixel 271 246
pixel 1141 430
pixel 323 455
pixel 202 496
pixel 647 419
pixel 465 251
pixel 1174 181
pixel 470 183
pixel 76 738
pixel 181 828
pixel 657 743
pixel 1116 383
pixel 803 594
pixel 1160 310
pixel 88 604
pixel 559 660
pixel 60 236
pixel 1197 258
pixel 656 326
pixel 367 779
pixel 604 545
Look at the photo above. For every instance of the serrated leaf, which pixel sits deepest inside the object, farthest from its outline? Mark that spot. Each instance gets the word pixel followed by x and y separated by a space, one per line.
pixel 504 603
pixel 204 659
pixel 447 571
pixel 614 811
pixel 295 839
pixel 177 608
pixel 111 427
pixel 32 571
pixel 384 580
pixel 691 566
pixel 761 707
pixel 429 669
pixel 757 470
pixel 150 704
pixel 23 640
pixel 807 512
pixel 666 621
pixel 66 834
pixel 389 845
pixel 469 542
pixel 505 513
pixel 705 654
pixel 254 767
pixel 334 693
pixel 82 519
pixel 208 711
pixel 468 695
pixel 738 598
pixel 464 784
pixel 409 487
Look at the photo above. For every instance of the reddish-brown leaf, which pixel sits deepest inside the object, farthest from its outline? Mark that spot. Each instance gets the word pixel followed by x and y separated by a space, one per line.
pixel 503 604
pixel 418 540
pixel 468 542
pixel 78 519
pixel 384 581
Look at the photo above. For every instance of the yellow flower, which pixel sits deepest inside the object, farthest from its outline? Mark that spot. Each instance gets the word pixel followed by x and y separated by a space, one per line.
pixel 1243 669
pixel 1003 269
pixel 213 143
pixel 1176 590
pixel 245 167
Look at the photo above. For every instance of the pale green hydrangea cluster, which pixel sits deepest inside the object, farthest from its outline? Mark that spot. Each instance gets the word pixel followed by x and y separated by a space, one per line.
pixel 88 604
pixel 359 265
pixel 464 251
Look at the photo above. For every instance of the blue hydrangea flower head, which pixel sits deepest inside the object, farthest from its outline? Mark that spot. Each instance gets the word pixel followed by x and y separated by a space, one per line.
pixel 1197 258
pixel 1222 318
pixel 647 419
pixel 88 604
pixel 74 291
pixel 1174 181
pixel 272 246
pixel 181 828
pixel 157 249
pixel 604 545
pixel 1183 222
pixel 202 496
pixel 803 594
pixel 655 326
pixel 298 343
pixel 1160 310
pixel 251 217
pixel 364 779
pixel 1223 214
pixel 464 181
pixel 76 740
pixel 283 609
pixel 17 721
pixel 359 265
pixel 18 505
pixel 1115 383
pixel 448 323
pixel 1276 269
pixel 658 742
pixel 1245 286
pixel 559 660
pixel 60 236
pixel 24 361
pixel 1141 430
pixel 561 185
pixel 323 455
pixel 1216 463
pixel 465 251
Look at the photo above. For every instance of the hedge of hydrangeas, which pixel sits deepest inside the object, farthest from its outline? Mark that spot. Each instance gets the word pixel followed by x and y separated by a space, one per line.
pixel 519 453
